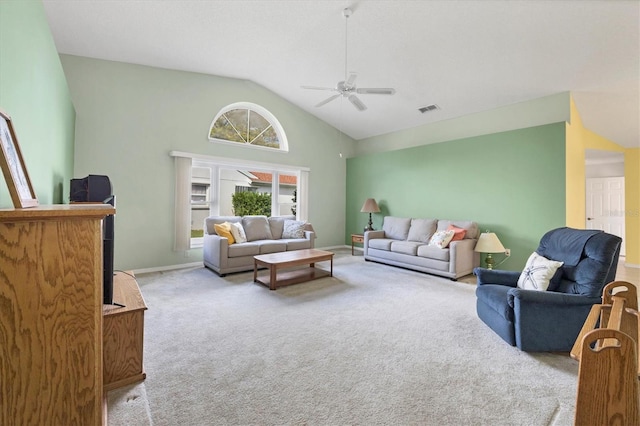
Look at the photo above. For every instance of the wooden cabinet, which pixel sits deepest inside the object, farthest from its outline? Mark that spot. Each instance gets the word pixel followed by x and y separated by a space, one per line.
pixel 124 333
pixel 51 315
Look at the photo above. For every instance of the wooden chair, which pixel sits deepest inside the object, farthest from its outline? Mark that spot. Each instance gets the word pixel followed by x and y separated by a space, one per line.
pixel 607 349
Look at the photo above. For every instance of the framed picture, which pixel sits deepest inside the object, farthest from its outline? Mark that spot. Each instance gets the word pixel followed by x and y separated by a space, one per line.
pixel 13 167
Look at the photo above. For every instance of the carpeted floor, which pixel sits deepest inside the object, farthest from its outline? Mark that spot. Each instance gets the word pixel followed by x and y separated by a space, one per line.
pixel 373 345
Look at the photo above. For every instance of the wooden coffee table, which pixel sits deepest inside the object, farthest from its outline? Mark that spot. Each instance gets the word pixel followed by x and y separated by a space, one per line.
pixel 290 259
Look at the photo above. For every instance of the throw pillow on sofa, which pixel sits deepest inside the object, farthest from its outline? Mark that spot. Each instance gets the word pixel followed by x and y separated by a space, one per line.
pixel 224 230
pixel 458 233
pixel 293 229
pixel 441 239
pixel 538 272
pixel 238 233
pixel 256 228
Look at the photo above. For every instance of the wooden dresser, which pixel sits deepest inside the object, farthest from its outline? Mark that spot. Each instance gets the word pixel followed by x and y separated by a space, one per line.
pixel 51 370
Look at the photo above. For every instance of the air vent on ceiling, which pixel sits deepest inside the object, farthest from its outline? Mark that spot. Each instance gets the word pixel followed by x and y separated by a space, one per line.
pixel 428 108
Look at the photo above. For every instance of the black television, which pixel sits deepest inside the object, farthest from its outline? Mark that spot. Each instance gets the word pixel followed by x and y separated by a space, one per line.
pixel 97 189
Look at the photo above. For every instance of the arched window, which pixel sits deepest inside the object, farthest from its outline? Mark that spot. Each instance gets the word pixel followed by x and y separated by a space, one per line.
pixel 249 125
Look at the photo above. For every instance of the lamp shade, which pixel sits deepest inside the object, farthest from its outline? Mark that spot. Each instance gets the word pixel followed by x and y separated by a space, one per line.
pixel 370 206
pixel 489 243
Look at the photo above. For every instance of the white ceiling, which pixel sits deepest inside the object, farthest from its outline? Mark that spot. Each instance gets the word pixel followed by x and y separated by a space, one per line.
pixel 464 56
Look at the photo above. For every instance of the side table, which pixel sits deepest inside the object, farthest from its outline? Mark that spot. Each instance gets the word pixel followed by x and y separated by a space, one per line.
pixel 356 238
pixel 123 334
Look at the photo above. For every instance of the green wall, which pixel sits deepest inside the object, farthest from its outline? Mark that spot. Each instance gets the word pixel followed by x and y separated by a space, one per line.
pixel 510 182
pixel 130 117
pixel 34 92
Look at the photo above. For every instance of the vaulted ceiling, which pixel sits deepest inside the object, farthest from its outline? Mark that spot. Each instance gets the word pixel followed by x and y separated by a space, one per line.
pixel 463 56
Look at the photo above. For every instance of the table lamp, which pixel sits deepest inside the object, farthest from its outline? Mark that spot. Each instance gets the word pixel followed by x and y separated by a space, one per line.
pixel 370 206
pixel 489 243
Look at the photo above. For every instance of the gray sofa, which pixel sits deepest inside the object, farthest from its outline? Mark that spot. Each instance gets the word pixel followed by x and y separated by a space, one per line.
pixel 404 242
pixel 264 235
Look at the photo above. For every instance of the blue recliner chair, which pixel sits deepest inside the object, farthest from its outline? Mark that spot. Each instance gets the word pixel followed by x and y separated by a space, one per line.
pixel 549 321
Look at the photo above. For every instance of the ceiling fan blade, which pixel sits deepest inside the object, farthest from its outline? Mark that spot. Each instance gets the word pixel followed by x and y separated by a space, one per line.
pixel 326 101
pixel 317 88
pixel 357 103
pixel 375 91
pixel 351 81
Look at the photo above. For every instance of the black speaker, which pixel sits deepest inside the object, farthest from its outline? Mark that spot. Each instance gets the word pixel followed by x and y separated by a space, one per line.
pixel 93 188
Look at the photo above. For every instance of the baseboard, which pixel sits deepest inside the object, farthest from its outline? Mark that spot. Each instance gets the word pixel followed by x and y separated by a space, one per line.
pixel 168 268
pixel 333 247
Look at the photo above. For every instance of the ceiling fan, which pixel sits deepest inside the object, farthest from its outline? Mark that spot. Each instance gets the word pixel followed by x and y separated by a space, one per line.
pixel 347 88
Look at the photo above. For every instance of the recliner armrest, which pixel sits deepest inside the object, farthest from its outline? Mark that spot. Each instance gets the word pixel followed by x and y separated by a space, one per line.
pixel 496 276
pixel 548 298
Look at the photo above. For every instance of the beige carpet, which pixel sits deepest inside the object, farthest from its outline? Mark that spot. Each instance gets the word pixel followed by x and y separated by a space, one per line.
pixel 374 345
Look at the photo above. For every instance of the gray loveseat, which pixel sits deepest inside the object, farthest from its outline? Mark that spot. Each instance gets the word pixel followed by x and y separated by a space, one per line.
pixel 264 235
pixel 404 242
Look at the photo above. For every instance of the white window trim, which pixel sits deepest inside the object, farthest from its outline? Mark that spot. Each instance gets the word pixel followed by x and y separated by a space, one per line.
pixel 201 160
pixel 282 137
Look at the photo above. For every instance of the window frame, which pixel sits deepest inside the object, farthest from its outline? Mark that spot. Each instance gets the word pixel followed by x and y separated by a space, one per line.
pixel 215 164
pixel 264 113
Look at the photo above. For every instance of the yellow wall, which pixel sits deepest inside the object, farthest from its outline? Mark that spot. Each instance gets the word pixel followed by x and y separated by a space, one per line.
pixel 578 140
pixel 575 171
pixel 632 205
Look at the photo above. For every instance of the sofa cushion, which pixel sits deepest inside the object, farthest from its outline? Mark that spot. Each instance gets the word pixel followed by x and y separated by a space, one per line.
pixel 293 229
pixel 471 227
pixel 298 244
pixel 441 239
pixel 396 228
pixel 256 228
pixel 538 272
pixel 224 230
pixel 272 246
pixel 380 244
pixel 245 249
pixel 238 232
pixel 421 230
pixel 276 224
pixel 405 247
pixel 433 252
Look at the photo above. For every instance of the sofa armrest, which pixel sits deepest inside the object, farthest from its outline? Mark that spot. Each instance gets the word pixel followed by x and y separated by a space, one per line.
pixel 215 251
pixel 496 276
pixel 370 235
pixel 311 236
pixel 462 257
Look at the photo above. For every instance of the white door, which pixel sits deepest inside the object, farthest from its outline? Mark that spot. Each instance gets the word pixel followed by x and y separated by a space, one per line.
pixel 605 206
